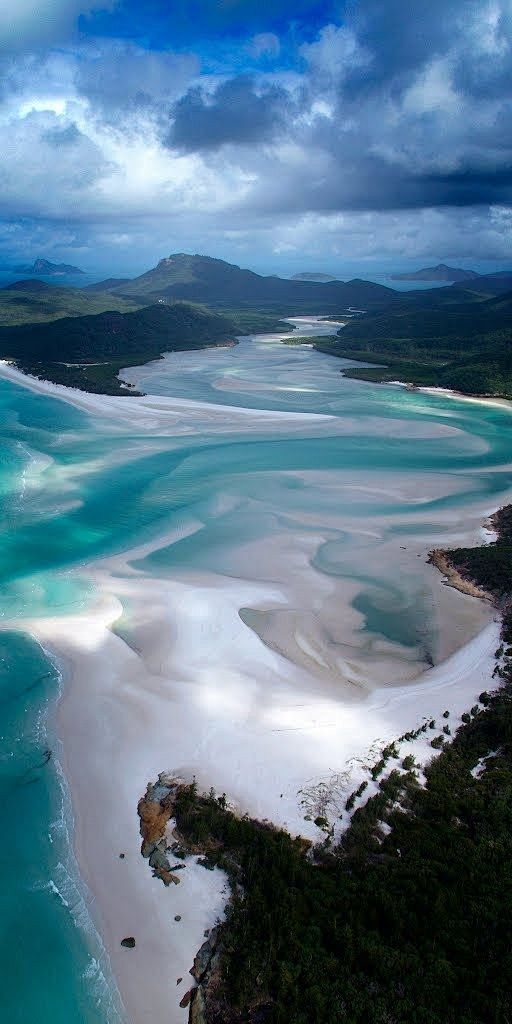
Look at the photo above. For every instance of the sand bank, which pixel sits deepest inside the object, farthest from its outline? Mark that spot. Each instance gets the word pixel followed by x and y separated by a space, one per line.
pixel 179 682
pixel 167 673
pixel 171 415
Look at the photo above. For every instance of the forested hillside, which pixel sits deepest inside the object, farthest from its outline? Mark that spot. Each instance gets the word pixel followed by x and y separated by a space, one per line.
pixel 465 346
pixel 89 351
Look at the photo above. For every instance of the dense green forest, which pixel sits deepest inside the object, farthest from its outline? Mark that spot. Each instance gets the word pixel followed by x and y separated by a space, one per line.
pixel 88 351
pixel 490 565
pixel 409 917
pixel 466 346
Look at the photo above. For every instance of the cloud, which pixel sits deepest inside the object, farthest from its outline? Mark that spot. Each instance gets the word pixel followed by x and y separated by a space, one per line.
pixel 236 112
pixel 120 76
pixel 344 136
pixel 37 180
pixel 59 136
pixel 335 52
pixel 265 44
pixel 34 23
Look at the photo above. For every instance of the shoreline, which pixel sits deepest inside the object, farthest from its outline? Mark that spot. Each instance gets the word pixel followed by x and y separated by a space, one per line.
pixel 432 389
pixel 85 399
pixel 189 687
pixel 160 408
pixel 131 705
pixel 453 578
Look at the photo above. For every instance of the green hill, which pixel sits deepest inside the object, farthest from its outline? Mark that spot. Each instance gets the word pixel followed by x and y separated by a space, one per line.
pixel 466 346
pixel 88 352
pixel 457 336
pixel 32 301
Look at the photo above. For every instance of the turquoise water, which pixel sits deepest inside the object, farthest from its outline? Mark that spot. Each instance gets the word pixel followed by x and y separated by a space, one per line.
pixel 53 968
pixel 74 489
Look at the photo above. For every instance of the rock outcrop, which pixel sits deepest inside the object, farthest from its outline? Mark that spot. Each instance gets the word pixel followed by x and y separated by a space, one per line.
pixel 155 812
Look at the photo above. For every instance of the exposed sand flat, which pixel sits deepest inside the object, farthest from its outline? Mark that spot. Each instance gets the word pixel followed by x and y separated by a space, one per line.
pixel 255 675
pixel 173 415
pixel 186 686
pixel 166 416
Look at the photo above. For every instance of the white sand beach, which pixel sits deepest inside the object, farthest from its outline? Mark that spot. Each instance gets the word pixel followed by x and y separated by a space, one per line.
pixel 255 681
pixel 196 693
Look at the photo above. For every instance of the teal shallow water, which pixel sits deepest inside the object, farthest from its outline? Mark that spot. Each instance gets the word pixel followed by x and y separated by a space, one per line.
pixel 53 965
pixel 74 489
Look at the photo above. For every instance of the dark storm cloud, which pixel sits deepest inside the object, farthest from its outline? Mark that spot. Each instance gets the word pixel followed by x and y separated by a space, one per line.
pixel 235 113
pixel 356 180
pixel 401 38
pixel 396 110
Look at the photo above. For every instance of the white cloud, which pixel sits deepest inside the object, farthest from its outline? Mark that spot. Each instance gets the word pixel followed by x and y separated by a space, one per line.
pixel 433 91
pixel 488 35
pixel 335 52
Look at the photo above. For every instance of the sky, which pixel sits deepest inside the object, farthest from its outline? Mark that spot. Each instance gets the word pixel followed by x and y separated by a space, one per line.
pixel 337 136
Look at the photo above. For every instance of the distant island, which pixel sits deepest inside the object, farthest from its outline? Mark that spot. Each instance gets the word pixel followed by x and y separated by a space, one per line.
pixel 439 273
pixel 319 278
pixel 48 269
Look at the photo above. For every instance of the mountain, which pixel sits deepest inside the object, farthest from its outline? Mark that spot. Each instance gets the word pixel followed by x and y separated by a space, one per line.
pixel 318 278
pixel 220 284
pixel 494 284
pixel 439 273
pixel 47 269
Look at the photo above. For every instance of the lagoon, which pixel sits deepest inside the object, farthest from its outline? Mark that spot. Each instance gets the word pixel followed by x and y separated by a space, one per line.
pixel 223 578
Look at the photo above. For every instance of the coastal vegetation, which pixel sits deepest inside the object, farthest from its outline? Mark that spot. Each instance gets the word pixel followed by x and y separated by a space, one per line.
pixel 463 345
pixel 306 340
pixel 88 352
pixel 489 566
pixel 407 916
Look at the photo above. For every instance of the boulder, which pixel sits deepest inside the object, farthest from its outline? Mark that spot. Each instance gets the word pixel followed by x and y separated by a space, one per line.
pixel 204 955
pixel 187 997
pixel 197 1012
